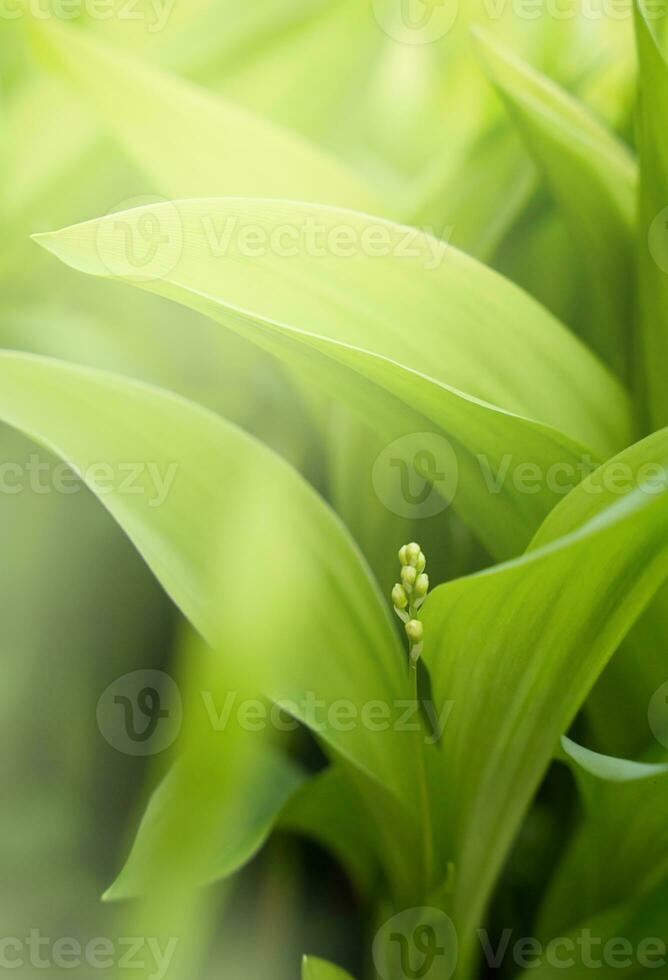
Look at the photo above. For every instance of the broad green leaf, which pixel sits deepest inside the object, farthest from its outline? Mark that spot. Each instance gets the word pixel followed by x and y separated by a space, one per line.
pixel 517 648
pixel 617 707
pixel 200 478
pixel 411 333
pixel 652 245
pixel 237 789
pixel 209 817
pixel 592 177
pixel 221 148
pixel 205 371
pixel 639 466
pixel 313 969
pixel 621 849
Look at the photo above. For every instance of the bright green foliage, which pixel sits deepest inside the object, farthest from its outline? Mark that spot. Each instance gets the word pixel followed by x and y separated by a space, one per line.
pixel 376 300
pixel 403 326
pixel 592 177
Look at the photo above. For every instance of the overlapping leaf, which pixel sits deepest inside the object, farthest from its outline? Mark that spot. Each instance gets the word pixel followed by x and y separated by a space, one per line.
pixel 517 649
pixel 592 177
pixel 621 850
pixel 412 334
pixel 209 817
pixel 209 472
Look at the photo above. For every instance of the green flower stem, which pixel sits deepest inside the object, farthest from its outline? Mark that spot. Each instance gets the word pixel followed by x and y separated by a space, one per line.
pixel 425 804
pixel 407 598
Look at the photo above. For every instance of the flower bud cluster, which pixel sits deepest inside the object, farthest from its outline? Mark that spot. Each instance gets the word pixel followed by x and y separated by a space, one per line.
pixel 409 594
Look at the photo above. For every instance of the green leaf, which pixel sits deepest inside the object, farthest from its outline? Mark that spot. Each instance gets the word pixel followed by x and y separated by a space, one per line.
pixel 209 817
pixel 313 969
pixel 652 246
pixel 517 648
pixel 228 150
pixel 617 707
pixel 201 480
pixel 592 177
pixel 414 335
pixel 620 851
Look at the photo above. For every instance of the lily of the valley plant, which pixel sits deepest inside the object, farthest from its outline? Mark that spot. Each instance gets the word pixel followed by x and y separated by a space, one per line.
pixel 504 297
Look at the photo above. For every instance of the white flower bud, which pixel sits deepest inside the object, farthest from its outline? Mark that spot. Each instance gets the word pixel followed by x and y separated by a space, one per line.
pixel 414 630
pixel 408 577
pixel 421 562
pixel 422 585
pixel 413 553
pixel 399 597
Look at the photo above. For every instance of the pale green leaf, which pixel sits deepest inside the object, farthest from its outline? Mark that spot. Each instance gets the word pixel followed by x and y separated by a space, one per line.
pixel 209 817
pixel 617 707
pixel 412 334
pixel 592 177
pixel 200 479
